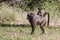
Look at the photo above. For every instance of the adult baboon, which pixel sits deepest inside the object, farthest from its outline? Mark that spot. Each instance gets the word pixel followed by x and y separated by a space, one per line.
pixel 43 13
pixel 34 20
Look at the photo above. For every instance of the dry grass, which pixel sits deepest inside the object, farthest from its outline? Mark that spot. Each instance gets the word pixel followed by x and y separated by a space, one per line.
pixel 17 15
pixel 23 33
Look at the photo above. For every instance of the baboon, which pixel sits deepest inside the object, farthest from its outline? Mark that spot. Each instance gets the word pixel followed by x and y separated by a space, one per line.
pixel 35 20
pixel 43 13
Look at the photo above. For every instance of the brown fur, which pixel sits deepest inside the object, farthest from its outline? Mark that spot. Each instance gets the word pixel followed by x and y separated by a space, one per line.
pixel 36 20
pixel 43 14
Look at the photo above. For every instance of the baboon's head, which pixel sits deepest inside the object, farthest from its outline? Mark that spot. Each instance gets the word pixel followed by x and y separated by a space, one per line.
pixel 30 16
pixel 39 9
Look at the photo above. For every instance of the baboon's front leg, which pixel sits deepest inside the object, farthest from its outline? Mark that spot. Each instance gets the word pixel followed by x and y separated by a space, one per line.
pixel 33 29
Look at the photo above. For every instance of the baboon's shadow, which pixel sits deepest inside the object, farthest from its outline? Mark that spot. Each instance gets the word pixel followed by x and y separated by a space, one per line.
pixel 13 25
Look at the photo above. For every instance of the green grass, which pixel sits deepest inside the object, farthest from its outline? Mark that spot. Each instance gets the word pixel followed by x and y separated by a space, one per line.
pixel 23 33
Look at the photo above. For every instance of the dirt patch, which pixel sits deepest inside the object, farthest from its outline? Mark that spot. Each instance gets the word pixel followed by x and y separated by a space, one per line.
pixel 54 24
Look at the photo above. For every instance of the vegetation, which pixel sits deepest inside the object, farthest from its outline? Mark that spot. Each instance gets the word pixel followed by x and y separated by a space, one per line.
pixel 16 12
pixel 23 33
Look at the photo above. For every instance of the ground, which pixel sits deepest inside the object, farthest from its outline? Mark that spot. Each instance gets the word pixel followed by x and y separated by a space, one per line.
pixel 23 33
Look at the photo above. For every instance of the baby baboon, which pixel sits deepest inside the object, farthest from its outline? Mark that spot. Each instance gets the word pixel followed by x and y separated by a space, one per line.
pixel 34 20
pixel 43 13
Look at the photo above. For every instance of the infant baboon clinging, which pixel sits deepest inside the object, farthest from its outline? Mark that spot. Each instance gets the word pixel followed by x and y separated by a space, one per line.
pixel 34 20
pixel 43 13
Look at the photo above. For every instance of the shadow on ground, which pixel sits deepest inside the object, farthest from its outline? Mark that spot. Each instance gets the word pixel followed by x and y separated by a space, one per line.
pixel 14 25
pixel 23 25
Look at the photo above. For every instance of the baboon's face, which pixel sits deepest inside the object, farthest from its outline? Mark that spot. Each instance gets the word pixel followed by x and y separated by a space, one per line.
pixel 30 16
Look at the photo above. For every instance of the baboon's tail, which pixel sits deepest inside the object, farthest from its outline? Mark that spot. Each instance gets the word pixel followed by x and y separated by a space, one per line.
pixel 48 19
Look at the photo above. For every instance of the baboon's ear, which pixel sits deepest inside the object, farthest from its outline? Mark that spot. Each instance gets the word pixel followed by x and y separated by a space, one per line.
pixel 32 14
pixel 28 14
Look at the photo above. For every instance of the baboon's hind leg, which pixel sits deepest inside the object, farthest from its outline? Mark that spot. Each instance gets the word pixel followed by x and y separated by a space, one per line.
pixel 42 26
